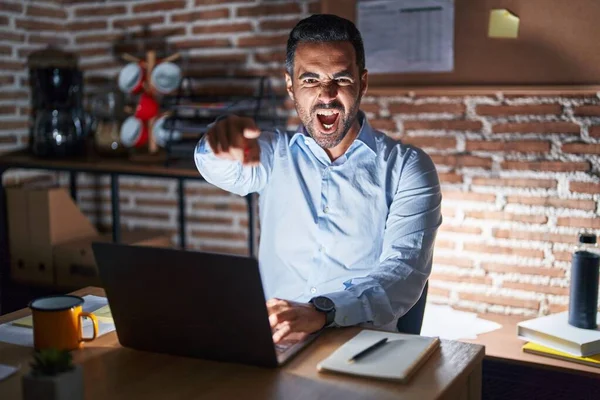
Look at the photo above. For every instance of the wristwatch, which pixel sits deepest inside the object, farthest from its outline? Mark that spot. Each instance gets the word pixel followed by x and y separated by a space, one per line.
pixel 325 305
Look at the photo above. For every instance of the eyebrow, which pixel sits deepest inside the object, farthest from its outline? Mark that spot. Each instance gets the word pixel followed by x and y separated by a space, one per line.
pixel 342 74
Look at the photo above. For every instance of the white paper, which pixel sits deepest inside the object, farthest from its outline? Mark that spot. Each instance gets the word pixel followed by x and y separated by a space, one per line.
pixel 6 371
pixel 451 324
pixel 24 336
pixel 407 35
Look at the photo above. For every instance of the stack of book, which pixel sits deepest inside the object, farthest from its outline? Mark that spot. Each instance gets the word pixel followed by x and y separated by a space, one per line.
pixel 552 336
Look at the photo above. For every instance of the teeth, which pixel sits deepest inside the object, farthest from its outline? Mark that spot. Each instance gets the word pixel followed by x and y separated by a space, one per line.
pixel 327 126
pixel 327 112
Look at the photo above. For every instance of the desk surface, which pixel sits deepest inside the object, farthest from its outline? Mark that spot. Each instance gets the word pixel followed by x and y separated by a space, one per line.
pixel 504 345
pixel 97 164
pixel 114 372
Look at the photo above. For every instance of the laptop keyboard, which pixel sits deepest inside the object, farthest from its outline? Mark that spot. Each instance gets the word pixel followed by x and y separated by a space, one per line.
pixel 283 347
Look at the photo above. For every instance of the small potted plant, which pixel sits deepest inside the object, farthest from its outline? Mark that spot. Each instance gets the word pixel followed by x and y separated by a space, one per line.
pixel 53 376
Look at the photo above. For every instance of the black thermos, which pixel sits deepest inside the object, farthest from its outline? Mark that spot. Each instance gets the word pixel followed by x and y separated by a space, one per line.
pixel 583 300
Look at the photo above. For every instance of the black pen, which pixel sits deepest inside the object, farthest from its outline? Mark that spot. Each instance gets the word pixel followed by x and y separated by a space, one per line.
pixel 367 350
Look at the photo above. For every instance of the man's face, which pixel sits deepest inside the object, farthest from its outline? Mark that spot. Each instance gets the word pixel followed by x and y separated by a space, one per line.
pixel 326 89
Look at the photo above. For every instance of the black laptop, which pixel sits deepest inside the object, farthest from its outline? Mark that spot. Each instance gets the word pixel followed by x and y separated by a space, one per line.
pixel 190 303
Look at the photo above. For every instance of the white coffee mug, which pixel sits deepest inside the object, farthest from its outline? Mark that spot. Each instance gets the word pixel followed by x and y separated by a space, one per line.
pixel 165 77
pixel 134 132
pixel 131 78
pixel 161 134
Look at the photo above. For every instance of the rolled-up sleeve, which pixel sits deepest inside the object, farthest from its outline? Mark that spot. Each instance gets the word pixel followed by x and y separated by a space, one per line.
pixel 231 175
pixel 392 288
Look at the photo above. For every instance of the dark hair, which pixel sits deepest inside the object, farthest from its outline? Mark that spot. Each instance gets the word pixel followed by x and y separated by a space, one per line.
pixel 324 28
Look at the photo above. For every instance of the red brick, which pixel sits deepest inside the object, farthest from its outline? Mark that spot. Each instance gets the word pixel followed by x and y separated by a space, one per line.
pixel 537 127
pixel 219 59
pixel 595 131
pixel 462 278
pixel 126 187
pixel 12 37
pixel 277 56
pixel 12 95
pixel 515 182
pixel 87 26
pixel 8 139
pixel 501 300
pixel 534 236
pixel 436 291
pixel 506 216
pixel 581 148
pixel 262 41
pixel 459 161
pixel 11 125
pixel 384 124
pixel 219 235
pixel 293 121
pixel 443 143
pixel 428 108
pixel 7 80
pixel 450 177
pixel 448 212
pixel 444 244
pixel 528 109
pixel 36 11
pixel 3 20
pixel 556 308
pixel 443 125
pixel 8 110
pixel 555 290
pixel 584 187
pixel 521 146
pixel 220 207
pixel 587 111
pixel 508 251
pixel 562 255
pixel 271 9
pixel 206 191
pixel 469 196
pixel 366 107
pixel 166 5
pixel 48 39
pixel 100 11
pixel 222 28
pixel 210 220
pixel 278 25
pixel 94 51
pixel 201 15
pixel 212 2
pixel 129 22
pixel 102 65
pixel 578 204
pixel 588 223
pixel 472 230
pixel 546 166
pixel 520 269
pixel 315 7
pixel 33 25
pixel 155 215
pixel 5 50
pixel 11 7
pixel 168 203
pixel 202 43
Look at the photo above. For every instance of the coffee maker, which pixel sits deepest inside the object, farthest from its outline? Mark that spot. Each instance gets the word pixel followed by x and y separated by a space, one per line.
pixel 58 122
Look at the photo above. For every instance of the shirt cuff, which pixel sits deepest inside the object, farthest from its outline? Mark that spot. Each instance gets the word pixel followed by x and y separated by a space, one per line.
pixel 349 310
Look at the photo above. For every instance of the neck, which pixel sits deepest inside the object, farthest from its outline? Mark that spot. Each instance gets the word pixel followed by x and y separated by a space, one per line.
pixel 336 152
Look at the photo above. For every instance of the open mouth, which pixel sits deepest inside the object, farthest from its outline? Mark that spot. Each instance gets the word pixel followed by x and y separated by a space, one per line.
pixel 328 119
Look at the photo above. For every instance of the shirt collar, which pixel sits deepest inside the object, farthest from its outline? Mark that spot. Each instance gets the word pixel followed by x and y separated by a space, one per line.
pixel 365 134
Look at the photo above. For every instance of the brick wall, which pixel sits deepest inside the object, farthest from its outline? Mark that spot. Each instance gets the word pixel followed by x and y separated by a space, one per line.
pixel 519 169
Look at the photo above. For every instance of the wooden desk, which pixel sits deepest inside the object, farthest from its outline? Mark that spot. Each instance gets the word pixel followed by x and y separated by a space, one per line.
pixel 114 372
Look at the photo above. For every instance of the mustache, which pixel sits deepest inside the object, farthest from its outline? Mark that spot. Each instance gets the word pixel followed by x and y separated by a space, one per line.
pixel 334 105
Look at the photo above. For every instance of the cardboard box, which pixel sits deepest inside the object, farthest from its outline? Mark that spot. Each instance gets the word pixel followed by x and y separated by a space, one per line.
pixel 74 261
pixel 40 218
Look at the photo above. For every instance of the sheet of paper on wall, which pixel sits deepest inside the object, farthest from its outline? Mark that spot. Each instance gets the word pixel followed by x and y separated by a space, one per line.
pixel 407 35
pixel 448 323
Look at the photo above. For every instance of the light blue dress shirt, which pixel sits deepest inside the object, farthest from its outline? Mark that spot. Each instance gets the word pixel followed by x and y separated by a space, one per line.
pixel 359 230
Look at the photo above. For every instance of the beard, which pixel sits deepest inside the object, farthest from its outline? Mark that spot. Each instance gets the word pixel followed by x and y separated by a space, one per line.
pixel 344 123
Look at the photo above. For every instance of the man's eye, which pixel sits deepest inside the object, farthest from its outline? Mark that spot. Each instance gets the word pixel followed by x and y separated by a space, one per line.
pixel 310 81
pixel 344 82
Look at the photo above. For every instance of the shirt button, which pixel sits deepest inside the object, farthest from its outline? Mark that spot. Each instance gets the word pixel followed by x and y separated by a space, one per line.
pixel 306 142
pixel 326 210
pixel 313 290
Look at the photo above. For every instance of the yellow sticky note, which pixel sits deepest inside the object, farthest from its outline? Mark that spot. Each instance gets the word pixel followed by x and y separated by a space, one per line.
pixel 103 314
pixel 503 24
pixel 25 322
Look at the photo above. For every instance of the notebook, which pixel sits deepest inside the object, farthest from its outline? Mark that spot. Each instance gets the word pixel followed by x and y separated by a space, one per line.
pixel 593 361
pixel 397 360
pixel 555 332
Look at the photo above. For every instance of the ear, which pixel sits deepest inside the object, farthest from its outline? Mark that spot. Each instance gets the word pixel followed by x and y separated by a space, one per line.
pixel 289 86
pixel 364 82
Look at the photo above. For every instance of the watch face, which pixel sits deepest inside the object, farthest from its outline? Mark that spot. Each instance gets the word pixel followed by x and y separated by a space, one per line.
pixel 323 303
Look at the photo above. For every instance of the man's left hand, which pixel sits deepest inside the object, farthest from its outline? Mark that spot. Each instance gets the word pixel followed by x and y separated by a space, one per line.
pixel 291 319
